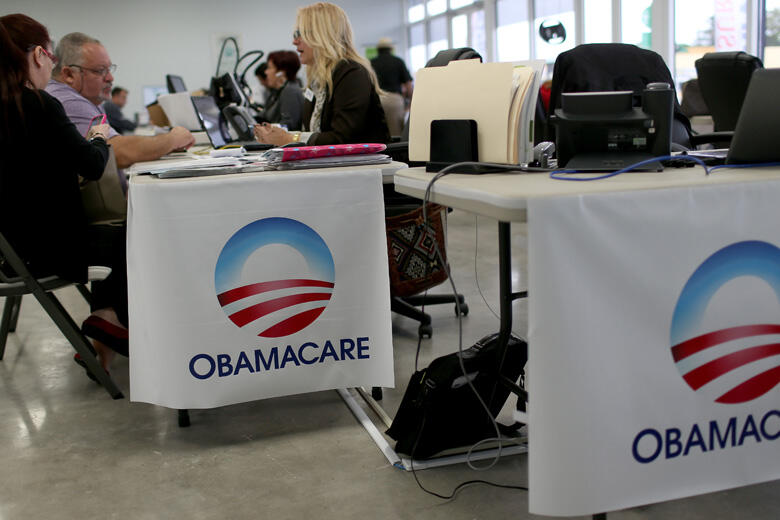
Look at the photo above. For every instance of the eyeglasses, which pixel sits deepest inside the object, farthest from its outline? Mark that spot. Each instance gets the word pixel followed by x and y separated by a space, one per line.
pixel 297 34
pixel 103 71
pixel 54 59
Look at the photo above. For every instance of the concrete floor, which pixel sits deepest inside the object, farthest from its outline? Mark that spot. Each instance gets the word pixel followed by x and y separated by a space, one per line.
pixel 68 451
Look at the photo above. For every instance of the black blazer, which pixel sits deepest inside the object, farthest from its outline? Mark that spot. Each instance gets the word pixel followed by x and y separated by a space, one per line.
pixel 352 113
pixel 41 157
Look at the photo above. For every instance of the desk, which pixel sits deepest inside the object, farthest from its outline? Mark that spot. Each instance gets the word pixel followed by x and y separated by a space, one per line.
pixel 642 289
pixel 257 285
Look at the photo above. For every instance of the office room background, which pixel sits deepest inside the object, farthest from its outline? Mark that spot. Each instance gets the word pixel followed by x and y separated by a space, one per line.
pixel 148 39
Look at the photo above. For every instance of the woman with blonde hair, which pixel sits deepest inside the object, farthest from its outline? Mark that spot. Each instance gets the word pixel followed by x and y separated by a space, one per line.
pixel 342 99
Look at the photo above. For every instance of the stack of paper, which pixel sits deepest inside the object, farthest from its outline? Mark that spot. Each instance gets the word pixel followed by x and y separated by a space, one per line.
pixel 500 97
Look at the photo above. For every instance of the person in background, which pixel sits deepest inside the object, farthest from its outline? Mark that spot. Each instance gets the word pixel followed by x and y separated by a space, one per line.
pixel 82 80
pixel 41 213
pixel 269 94
pixel 281 73
pixel 342 99
pixel 396 83
pixel 113 109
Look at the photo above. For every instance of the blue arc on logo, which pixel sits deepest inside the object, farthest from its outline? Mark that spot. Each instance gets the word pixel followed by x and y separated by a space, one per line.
pixel 749 258
pixel 275 230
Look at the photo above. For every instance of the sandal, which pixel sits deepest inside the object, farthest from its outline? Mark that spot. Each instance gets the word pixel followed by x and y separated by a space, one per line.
pixel 113 336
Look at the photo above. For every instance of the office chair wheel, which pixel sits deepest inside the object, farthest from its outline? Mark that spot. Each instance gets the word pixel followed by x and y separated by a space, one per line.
pixel 376 393
pixel 425 331
pixel 184 418
pixel 464 309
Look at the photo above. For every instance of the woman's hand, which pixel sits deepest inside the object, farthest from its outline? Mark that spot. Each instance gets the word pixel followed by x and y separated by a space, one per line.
pixel 274 135
pixel 99 131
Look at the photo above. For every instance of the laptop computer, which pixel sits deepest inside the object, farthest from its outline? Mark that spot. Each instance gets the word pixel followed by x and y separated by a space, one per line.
pixel 214 124
pixel 757 133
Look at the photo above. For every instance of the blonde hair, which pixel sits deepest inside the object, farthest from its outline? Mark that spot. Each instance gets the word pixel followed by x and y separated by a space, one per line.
pixel 326 29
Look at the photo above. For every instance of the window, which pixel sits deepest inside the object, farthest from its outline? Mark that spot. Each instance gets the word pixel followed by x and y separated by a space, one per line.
pixel 554 27
pixel 512 41
pixel 703 27
pixel 417 55
pixel 772 49
pixel 460 31
pixel 437 36
pixel 416 11
pixel 637 22
pixel 597 16
pixel 436 7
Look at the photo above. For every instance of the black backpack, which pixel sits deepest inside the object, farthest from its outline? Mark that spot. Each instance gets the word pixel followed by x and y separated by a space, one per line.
pixel 439 409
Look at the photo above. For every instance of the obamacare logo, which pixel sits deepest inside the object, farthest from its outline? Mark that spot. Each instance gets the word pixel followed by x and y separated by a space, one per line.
pixel 741 362
pixel 274 277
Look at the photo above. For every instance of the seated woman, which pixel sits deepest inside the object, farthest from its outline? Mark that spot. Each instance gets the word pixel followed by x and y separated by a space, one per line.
pixel 342 101
pixel 41 213
pixel 281 74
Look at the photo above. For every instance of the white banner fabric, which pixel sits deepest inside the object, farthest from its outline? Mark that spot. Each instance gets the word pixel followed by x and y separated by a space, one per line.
pixel 654 333
pixel 256 286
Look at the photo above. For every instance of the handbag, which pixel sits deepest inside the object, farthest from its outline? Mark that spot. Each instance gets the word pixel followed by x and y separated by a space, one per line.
pixel 439 410
pixel 103 199
pixel 413 262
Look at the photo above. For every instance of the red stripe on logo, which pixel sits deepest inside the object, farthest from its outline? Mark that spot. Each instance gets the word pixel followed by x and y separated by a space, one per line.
pixel 752 388
pixel 705 341
pixel 256 288
pixel 259 310
pixel 293 324
pixel 702 375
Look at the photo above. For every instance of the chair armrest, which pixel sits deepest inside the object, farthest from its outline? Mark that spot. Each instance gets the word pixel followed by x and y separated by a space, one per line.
pixel 712 137
pixel 97 273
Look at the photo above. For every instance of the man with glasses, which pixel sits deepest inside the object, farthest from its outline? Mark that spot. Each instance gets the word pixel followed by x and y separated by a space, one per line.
pixel 82 80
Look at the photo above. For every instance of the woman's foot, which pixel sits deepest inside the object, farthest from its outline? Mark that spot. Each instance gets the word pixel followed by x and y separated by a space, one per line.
pixel 105 334
pixel 104 354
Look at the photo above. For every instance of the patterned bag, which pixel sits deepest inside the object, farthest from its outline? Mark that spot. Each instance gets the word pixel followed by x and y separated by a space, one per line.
pixel 414 266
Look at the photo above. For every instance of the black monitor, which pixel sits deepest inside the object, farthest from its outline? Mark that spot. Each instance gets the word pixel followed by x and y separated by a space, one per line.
pixel 175 84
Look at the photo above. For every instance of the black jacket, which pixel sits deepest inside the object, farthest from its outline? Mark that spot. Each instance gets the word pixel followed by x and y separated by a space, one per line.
pixel 352 113
pixel 41 157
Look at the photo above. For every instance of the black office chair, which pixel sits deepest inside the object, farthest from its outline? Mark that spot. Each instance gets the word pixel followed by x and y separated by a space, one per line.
pixel 723 80
pixel 601 67
pixel 16 281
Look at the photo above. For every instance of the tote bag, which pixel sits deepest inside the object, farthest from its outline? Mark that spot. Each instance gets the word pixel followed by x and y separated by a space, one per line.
pixel 104 201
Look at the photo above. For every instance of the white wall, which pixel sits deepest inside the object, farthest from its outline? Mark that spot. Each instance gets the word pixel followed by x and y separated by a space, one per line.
pixel 148 39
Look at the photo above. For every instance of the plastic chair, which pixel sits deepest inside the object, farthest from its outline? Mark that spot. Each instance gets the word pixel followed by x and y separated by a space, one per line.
pixel 16 281
pixel 723 80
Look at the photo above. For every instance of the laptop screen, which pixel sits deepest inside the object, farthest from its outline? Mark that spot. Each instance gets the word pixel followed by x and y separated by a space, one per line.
pixel 758 127
pixel 211 119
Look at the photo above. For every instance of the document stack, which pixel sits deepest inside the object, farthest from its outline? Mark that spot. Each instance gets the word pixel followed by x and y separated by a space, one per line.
pixel 500 97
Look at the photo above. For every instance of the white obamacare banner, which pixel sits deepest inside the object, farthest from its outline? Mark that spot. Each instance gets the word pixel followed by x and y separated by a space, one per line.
pixel 257 285
pixel 654 364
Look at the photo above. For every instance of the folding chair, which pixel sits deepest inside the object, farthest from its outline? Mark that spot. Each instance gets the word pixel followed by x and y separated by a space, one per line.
pixel 16 281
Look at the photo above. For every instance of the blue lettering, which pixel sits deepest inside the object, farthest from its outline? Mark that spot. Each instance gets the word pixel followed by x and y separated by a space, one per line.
pixel 363 348
pixel 243 362
pixel 695 439
pixel 328 351
pixel 766 435
pixel 289 356
pixel 749 430
pixel 300 353
pixel 715 434
pixel 347 351
pixel 658 446
pixel 225 368
pixel 260 359
pixel 673 445
pixel 210 372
